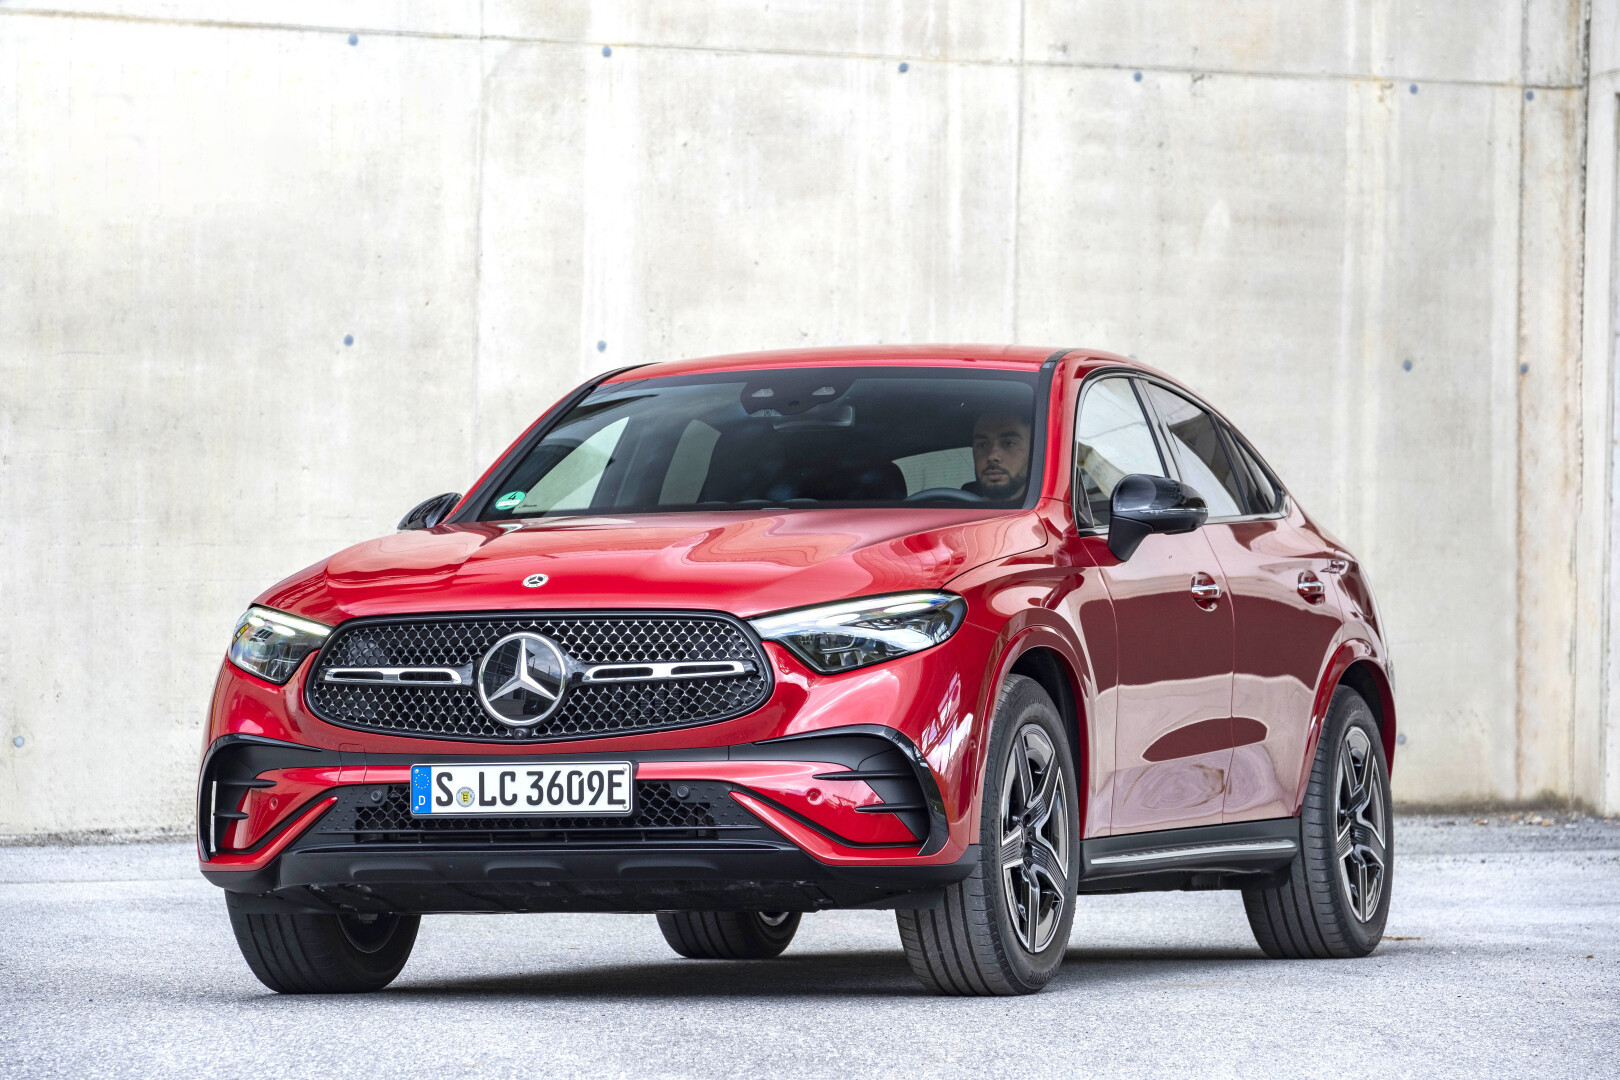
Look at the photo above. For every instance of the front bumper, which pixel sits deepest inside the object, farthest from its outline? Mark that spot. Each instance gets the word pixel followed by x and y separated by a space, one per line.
pixel 846 817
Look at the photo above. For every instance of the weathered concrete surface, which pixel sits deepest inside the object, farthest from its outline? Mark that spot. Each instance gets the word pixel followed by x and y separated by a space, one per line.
pixel 1353 229
pixel 1503 960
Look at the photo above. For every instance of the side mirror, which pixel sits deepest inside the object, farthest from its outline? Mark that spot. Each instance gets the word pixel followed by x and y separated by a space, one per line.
pixel 425 515
pixel 1145 504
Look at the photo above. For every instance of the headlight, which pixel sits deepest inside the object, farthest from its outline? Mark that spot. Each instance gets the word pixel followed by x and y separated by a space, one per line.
pixel 855 633
pixel 271 644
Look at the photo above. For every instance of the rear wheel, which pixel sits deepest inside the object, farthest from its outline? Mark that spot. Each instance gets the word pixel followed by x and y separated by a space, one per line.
pixel 1005 928
pixel 1334 898
pixel 729 935
pixel 323 954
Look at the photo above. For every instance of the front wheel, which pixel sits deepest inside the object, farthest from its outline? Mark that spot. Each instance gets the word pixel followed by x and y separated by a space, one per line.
pixel 1004 928
pixel 1333 899
pixel 323 954
pixel 729 935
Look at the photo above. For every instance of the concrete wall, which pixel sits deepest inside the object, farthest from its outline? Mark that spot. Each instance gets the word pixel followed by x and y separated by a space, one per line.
pixel 1350 223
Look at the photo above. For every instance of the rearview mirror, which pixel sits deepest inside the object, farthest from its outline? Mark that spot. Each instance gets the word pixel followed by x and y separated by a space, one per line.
pixel 425 515
pixel 1144 504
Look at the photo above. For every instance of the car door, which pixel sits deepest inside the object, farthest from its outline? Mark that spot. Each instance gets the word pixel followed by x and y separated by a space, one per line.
pixel 1284 605
pixel 1174 680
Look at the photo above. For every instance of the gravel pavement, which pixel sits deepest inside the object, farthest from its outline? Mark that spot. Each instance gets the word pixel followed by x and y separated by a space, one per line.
pixel 1502 959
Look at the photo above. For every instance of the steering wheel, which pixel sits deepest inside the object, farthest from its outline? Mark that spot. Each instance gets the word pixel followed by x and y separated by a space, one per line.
pixel 947 493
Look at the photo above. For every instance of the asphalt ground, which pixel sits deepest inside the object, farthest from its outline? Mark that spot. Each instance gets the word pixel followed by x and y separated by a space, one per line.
pixel 1502 959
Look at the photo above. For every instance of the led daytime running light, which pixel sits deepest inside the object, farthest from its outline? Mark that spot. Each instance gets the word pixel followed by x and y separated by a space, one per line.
pixel 852 634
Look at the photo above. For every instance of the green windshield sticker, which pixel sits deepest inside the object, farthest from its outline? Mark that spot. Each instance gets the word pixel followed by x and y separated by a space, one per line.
pixel 509 500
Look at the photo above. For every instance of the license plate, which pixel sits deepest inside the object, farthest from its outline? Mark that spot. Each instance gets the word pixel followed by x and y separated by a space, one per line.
pixel 570 788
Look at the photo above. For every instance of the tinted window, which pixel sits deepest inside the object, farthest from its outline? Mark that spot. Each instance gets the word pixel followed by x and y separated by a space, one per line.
pixel 797 437
pixel 1195 443
pixel 1263 494
pixel 1112 440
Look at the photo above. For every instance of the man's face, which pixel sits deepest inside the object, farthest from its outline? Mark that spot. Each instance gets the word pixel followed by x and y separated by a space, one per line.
pixel 1001 456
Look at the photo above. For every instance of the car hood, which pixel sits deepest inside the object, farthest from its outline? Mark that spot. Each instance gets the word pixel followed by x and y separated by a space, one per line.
pixel 744 563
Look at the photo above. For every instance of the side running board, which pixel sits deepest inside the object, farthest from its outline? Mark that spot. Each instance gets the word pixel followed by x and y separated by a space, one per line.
pixel 1241 848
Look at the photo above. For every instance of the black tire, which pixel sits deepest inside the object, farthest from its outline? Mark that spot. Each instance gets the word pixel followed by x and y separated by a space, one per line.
pixel 980 940
pixel 323 954
pixel 729 935
pixel 1325 905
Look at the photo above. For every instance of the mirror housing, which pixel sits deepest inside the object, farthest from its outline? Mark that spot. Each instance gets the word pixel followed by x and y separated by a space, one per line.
pixel 426 514
pixel 1144 504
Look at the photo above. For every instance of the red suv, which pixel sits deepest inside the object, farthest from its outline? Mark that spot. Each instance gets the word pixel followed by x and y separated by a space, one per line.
pixel 961 632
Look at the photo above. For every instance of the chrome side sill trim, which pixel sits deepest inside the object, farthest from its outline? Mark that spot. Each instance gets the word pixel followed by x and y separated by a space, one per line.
pixel 1247 847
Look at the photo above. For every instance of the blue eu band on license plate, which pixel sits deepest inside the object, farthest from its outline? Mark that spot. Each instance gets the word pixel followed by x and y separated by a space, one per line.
pixel 506 789
pixel 421 778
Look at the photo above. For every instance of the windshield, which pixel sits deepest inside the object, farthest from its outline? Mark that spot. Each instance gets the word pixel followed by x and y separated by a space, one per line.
pixel 795 437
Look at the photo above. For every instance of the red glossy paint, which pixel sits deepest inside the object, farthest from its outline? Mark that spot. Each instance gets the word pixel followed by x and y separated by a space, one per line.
pixel 1283 639
pixel 1184 713
pixel 1175 674
pixel 746 564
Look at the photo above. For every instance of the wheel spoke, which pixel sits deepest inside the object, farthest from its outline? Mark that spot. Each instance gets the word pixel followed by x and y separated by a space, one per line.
pixel 1047 921
pixel 1047 863
pixel 1348 790
pixel 1012 846
pixel 1047 798
pixel 1371 841
pixel 1032 885
pixel 1370 818
pixel 1026 781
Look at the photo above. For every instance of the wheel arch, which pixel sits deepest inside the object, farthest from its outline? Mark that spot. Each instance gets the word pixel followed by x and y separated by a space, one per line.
pixel 1053 672
pixel 1366 678
pixel 1358 665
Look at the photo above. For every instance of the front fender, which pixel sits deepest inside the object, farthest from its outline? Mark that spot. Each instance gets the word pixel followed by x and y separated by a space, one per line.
pixel 1017 639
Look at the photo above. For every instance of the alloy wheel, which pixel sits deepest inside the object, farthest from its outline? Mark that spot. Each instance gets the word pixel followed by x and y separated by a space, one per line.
pixel 1360 839
pixel 1034 838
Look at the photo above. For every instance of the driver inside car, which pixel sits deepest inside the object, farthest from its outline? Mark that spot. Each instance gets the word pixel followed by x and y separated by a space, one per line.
pixel 1000 456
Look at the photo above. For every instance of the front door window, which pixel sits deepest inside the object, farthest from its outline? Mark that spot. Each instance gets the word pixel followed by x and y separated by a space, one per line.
pixel 1112 441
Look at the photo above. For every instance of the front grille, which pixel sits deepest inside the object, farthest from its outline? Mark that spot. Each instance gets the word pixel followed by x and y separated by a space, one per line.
pixel 587 709
pixel 665 811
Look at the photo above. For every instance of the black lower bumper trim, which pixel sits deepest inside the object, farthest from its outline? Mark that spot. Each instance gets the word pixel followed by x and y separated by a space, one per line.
pixel 643 878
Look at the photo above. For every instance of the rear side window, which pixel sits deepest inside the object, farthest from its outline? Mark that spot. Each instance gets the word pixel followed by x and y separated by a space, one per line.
pixel 1200 453
pixel 1264 498
pixel 1112 441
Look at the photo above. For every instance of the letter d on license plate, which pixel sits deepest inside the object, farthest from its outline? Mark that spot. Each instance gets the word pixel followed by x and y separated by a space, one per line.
pixel 567 788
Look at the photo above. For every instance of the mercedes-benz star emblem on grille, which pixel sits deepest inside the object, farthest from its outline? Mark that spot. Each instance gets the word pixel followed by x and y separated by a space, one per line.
pixel 520 679
pixel 534 581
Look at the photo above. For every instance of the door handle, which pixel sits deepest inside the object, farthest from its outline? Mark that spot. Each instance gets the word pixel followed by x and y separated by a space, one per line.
pixel 1311 588
pixel 1205 591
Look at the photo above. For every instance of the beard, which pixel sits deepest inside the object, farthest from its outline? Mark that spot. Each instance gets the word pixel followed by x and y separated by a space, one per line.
pixel 1010 488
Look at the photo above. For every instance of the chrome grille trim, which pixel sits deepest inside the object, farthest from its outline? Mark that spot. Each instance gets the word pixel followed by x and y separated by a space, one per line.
pixel 711 669
pixel 412 676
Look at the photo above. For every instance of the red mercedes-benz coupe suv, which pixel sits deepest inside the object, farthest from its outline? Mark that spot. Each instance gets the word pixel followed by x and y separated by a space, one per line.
pixel 962 632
